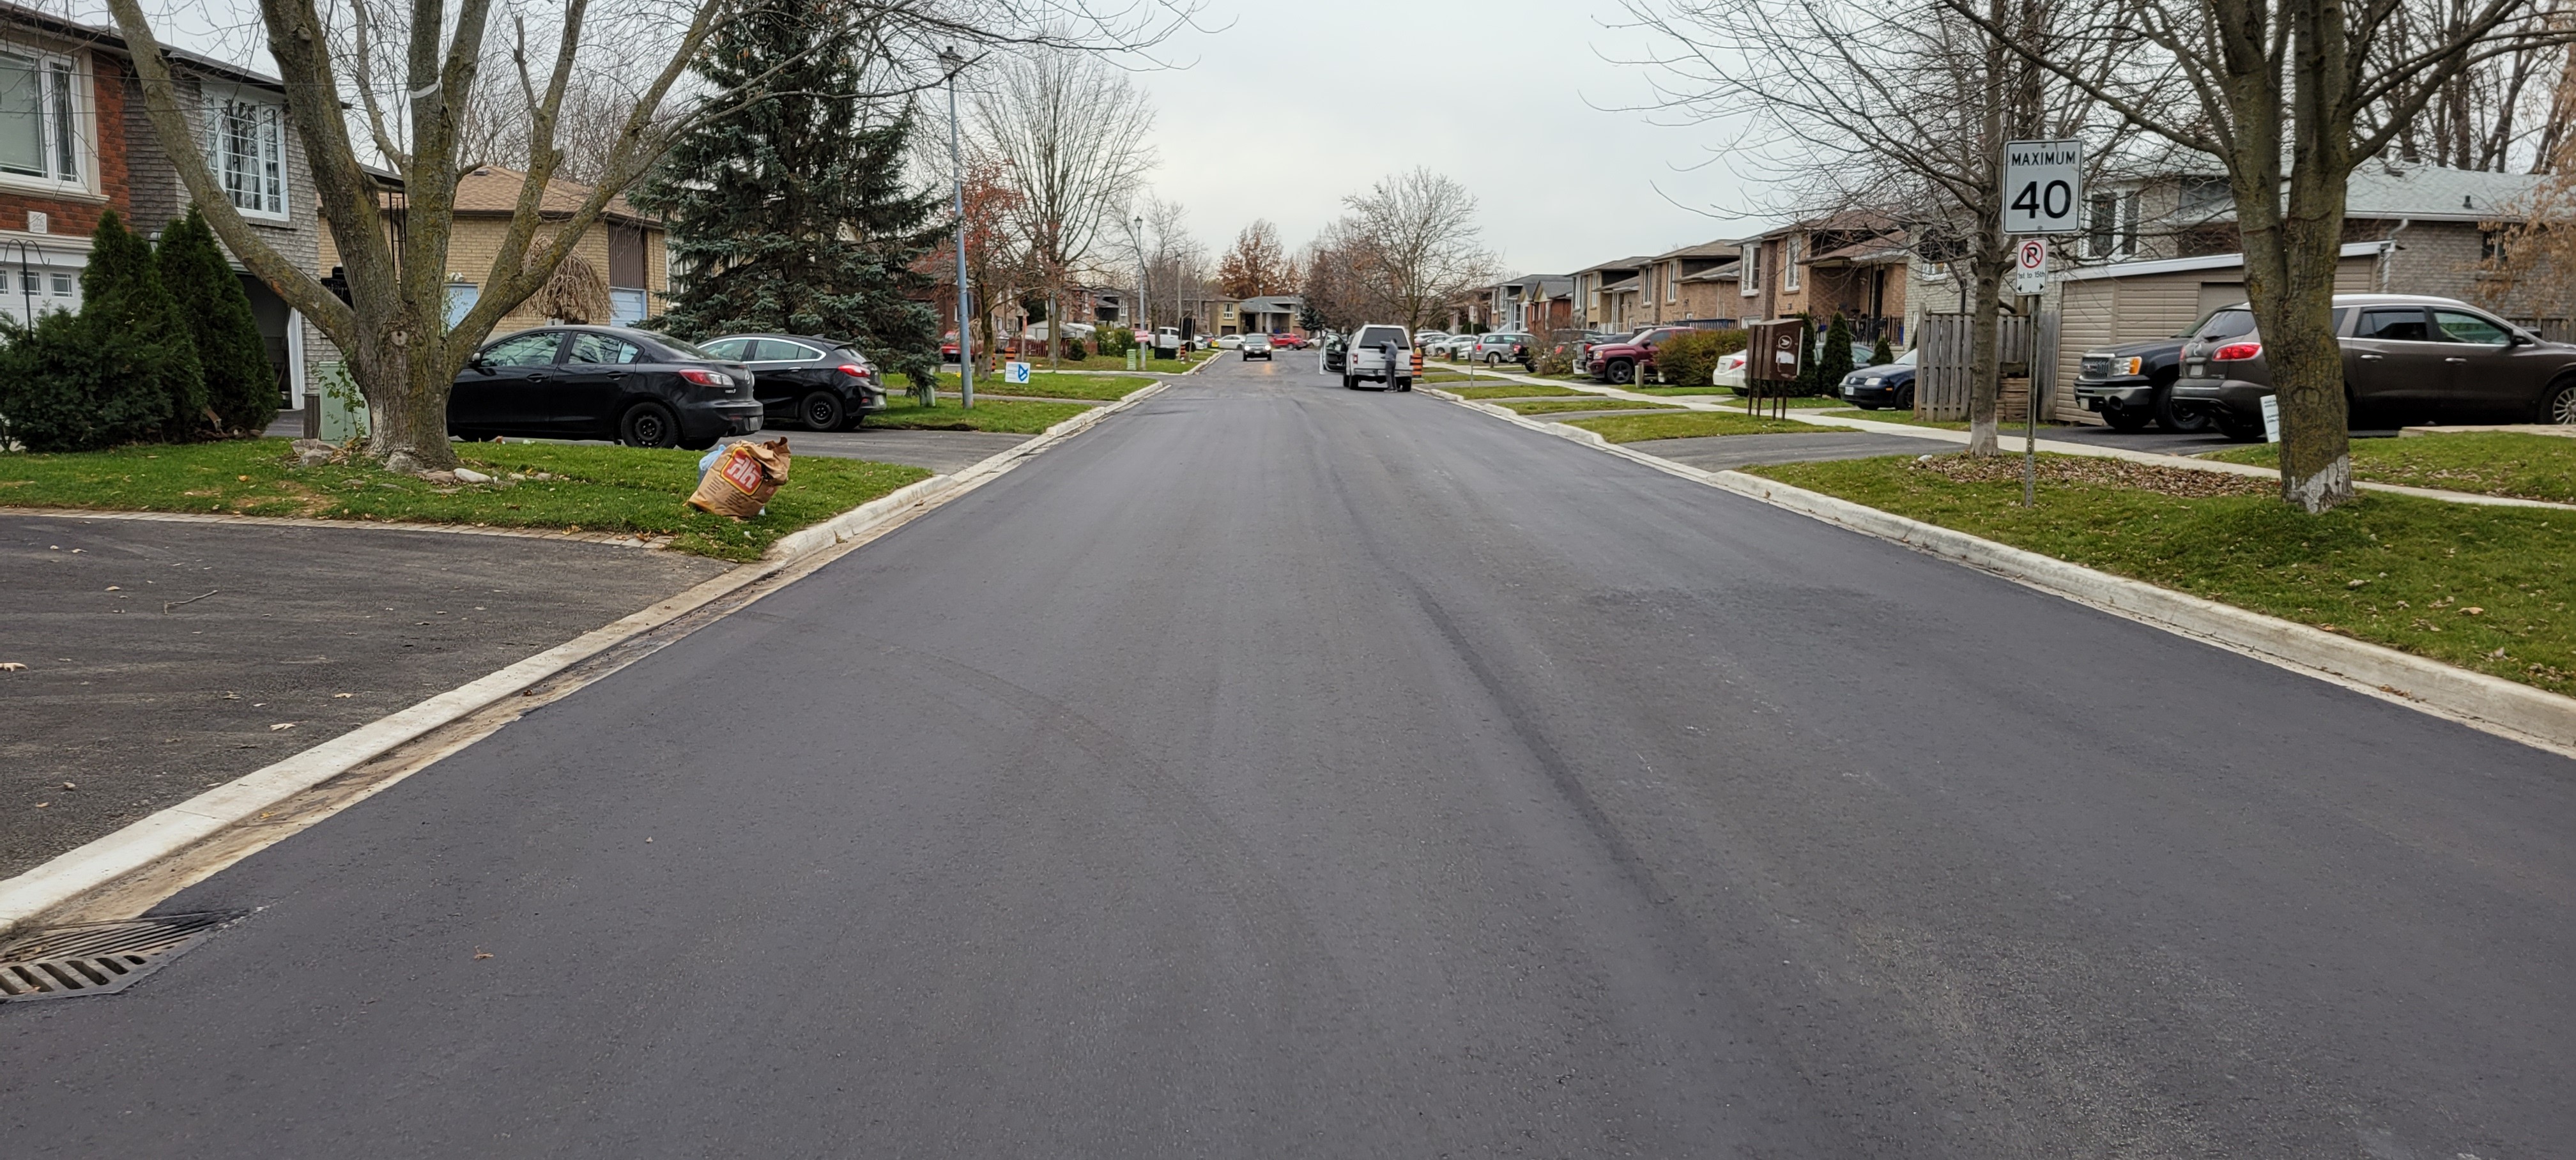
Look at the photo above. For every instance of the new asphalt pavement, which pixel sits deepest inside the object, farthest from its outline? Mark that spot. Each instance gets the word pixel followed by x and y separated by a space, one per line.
pixel 1277 770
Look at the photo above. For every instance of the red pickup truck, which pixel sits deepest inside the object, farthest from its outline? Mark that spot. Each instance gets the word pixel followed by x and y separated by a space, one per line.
pixel 1620 362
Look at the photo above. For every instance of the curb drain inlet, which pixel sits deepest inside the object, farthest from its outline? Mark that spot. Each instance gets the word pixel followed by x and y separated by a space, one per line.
pixel 99 958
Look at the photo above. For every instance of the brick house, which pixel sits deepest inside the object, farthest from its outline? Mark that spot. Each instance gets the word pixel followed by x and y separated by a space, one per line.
pixel 624 247
pixel 1851 264
pixel 1685 287
pixel 1602 295
pixel 74 141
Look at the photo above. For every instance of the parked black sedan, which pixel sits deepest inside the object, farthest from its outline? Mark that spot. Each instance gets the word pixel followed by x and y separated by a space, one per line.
pixel 602 382
pixel 1887 385
pixel 823 383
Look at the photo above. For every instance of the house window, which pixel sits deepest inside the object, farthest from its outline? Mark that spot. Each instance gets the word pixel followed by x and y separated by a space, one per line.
pixel 1750 269
pixel 246 147
pixel 1790 253
pixel 38 118
pixel 2205 195
pixel 2111 226
pixel 1673 282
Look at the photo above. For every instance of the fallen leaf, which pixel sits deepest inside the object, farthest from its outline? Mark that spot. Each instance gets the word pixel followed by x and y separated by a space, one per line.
pixel 114 588
pixel 2473 610
pixel 336 696
pixel 242 478
pixel 11 667
pixel 41 805
pixel 68 785
pixel 281 725
pixel 480 954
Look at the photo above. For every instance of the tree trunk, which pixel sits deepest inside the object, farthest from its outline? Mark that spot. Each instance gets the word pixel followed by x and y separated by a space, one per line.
pixel 2295 308
pixel 1985 346
pixel 406 382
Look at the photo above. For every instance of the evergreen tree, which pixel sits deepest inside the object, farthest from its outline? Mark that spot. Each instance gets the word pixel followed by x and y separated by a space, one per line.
pixel 121 293
pixel 1835 364
pixel 241 386
pixel 1881 355
pixel 791 213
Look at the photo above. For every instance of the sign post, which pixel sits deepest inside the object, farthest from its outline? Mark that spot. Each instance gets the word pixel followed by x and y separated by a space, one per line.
pixel 2043 194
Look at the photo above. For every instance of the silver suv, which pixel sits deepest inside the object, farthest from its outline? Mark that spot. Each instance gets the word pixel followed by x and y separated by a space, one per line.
pixel 2407 358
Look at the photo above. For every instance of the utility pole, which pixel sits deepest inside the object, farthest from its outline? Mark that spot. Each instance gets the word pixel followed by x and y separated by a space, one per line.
pixel 957 169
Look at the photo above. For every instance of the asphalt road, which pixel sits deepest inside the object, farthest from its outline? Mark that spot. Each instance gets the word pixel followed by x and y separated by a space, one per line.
pixel 1283 771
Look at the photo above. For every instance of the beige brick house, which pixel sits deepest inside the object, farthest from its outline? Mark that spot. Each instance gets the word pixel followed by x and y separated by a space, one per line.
pixel 624 247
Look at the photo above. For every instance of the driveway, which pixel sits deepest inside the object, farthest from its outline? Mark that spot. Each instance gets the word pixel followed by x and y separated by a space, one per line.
pixel 138 706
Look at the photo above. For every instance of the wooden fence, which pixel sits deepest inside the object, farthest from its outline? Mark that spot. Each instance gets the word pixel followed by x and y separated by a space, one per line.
pixel 1941 377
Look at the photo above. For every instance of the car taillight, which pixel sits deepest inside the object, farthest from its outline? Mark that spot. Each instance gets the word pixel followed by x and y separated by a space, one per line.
pixel 706 378
pixel 2236 352
pixel 854 370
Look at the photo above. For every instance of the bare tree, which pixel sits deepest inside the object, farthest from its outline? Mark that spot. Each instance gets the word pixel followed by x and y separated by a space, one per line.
pixel 368 80
pixel 1897 113
pixel 1408 246
pixel 1256 264
pixel 2291 96
pixel 1071 133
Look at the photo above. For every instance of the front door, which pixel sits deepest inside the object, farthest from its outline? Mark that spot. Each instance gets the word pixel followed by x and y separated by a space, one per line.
pixel 590 384
pixel 504 389
pixel 2486 381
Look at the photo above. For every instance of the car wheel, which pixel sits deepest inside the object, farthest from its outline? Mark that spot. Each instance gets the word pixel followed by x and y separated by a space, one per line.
pixel 1350 382
pixel 820 412
pixel 1493 360
pixel 1905 400
pixel 1619 372
pixel 2124 420
pixel 2559 405
pixel 2177 420
pixel 649 425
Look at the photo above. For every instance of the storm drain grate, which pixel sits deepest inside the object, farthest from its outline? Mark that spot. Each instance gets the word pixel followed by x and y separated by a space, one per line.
pixel 99 958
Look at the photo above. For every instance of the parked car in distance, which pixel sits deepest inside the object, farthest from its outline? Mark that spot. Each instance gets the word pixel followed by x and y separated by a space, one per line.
pixel 1870 388
pixel 1288 341
pixel 1229 342
pixel 1424 340
pixel 1730 370
pixel 1255 346
pixel 1584 346
pixel 948 347
pixel 1634 359
pixel 824 384
pixel 2131 385
pixel 1365 362
pixel 1448 348
pixel 2407 358
pixel 637 387
pixel 1500 347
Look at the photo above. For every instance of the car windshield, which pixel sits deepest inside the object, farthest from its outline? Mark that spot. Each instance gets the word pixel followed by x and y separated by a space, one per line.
pixel 675 346
pixel 1906 359
pixel 2233 322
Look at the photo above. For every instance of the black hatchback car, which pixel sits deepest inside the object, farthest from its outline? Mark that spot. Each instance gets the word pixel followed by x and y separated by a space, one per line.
pixel 823 383
pixel 602 382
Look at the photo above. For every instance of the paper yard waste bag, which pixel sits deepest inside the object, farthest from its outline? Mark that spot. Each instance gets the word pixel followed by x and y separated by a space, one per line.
pixel 742 479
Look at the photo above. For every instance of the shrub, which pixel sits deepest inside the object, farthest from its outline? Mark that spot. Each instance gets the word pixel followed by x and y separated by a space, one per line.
pixel 241 387
pixel 121 291
pixel 1880 355
pixel 1073 349
pixel 74 382
pixel 1687 360
pixel 1836 361
pixel 1116 340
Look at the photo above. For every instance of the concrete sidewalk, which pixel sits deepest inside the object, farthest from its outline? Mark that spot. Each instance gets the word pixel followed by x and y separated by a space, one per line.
pixel 320 629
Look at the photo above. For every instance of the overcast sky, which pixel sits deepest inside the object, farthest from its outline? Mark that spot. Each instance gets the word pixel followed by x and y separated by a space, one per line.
pixel 1288 105
pixel 1293 105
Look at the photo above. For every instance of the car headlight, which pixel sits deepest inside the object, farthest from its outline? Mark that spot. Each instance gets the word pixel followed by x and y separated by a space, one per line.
pixel 2128 366
pixel 1872 382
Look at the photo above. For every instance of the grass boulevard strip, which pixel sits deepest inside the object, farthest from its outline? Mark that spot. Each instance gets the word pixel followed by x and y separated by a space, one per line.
pixel 2541 467
pixel 563 487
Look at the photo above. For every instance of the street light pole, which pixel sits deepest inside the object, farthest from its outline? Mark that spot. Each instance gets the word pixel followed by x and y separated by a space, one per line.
pixel 957 169
pixel 1144 281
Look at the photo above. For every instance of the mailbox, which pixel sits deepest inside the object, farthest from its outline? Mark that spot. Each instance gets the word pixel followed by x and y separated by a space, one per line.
pixel 1777 351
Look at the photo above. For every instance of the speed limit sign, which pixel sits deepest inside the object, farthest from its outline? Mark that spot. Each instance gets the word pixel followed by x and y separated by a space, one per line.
pixel 2043 187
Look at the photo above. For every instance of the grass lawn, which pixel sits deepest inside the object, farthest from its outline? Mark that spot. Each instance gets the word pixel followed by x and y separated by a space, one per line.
pixel 1592 403
pixel 1106 388
pixel 1688 425
pixel 1009 416
pixel 1905 417
pixel 1519 391
pixel 2484 588
pixel 2487 462
pixel 1801 403
pixel 596 489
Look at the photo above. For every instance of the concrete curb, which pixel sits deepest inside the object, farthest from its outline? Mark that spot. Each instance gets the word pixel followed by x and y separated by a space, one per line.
pixel 2508 709
pixel 69 876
